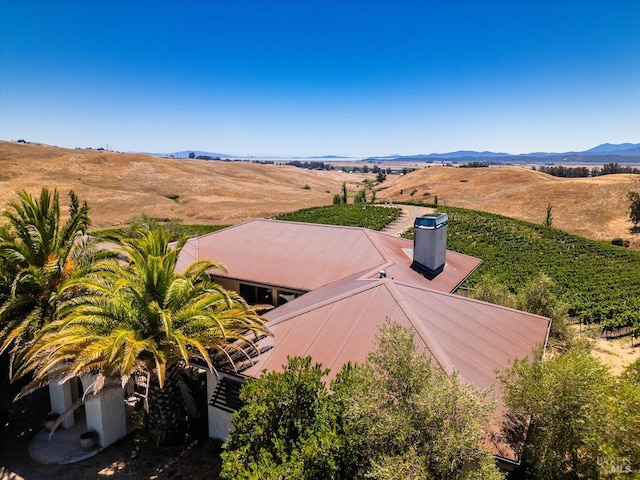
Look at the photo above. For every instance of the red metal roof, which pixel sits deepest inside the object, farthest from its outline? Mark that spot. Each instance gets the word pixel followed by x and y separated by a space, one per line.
pixel 303 256
pixel 339 317
pixel 338 323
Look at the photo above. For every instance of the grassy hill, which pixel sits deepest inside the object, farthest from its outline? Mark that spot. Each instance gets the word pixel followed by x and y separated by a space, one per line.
pixel 119 186
pixel 590 207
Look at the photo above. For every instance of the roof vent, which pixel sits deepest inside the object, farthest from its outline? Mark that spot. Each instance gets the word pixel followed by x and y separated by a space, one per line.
pixel 430 242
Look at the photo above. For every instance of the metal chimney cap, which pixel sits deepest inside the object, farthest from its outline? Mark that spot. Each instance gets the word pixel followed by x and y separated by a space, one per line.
pixel 431 220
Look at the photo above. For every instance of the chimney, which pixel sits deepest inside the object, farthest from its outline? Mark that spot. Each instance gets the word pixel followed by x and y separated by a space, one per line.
pixel 430 242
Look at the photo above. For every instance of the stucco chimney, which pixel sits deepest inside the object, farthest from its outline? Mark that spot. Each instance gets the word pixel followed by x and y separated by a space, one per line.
pixel 430 241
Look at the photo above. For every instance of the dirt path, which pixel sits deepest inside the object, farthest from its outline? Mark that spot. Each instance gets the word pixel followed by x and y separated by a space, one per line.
pixel 409 213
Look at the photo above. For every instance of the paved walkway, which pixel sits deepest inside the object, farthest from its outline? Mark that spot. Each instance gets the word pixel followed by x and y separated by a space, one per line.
pixel 409 213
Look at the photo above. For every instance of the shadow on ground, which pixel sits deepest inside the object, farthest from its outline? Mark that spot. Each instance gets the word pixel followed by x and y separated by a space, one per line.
pixel 130 458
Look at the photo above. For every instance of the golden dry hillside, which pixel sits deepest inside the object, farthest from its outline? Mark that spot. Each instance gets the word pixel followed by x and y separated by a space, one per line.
pixel 591 207
pixel 118 186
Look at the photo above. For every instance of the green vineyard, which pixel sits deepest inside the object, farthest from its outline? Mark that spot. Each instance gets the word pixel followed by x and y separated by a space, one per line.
pixel 600 282
pixel 352 215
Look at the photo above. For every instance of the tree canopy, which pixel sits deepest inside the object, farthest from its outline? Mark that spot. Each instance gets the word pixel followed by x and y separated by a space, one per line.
pixel 634 208
pixel 395 417
pixel 584 421
pixel 136 316
pixel 38 255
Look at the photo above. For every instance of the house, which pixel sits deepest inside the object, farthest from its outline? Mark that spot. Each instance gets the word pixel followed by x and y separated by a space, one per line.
pixel 333 287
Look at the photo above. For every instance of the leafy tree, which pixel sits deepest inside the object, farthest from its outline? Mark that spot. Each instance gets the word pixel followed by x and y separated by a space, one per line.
pixel 361 196
pixel 381 176
pixel 548 220
pixel 580 415
pixel 286 428
pixel 491 291
pixel 537 296
pixel 38 255
pixel 192 155
pixel 396 416
pixel 337 199
pixel 345 196
pixel 403 410
pixel 137 316
pixel 632 373
pixel 634 208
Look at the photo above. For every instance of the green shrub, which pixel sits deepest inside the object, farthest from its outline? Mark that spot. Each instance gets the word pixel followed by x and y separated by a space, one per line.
pixel 621 242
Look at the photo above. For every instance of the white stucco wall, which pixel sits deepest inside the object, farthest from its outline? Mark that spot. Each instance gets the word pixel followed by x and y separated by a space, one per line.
pixel 61 397
pixel 106 415
pixel 220 424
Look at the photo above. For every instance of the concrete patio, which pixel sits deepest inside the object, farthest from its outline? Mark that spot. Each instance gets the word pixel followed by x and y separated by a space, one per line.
pixel 63 447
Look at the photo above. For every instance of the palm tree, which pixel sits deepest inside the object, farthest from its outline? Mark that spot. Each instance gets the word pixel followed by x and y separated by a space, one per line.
pixel 137 316
pixel 38 255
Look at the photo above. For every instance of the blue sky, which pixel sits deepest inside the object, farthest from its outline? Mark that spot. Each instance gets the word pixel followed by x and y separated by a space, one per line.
pixel 325 77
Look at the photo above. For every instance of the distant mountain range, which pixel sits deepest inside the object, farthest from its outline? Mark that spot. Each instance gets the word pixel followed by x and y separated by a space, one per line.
pixel 624 149
pixel 185 154
pixel 607 152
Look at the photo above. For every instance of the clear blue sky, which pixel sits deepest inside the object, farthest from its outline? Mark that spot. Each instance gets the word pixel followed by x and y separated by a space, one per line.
pixel 310 77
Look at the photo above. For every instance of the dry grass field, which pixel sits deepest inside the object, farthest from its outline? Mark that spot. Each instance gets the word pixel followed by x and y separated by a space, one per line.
pixel 118 186
pixel 591 207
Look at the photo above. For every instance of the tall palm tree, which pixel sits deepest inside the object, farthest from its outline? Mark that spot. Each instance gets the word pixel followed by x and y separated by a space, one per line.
pixel 137 316
pixel 38 254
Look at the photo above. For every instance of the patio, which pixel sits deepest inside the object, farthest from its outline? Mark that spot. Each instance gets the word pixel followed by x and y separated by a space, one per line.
pixel 63 447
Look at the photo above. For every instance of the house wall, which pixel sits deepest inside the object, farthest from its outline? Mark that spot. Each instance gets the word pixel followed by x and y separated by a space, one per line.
pixel 105 412
pixel 220 424
pixel 106 415
pixel 61 397
pixel 228 283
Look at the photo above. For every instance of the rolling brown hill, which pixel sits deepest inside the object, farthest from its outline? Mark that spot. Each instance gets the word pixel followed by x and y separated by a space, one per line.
pixel 119 186
pixel 591 207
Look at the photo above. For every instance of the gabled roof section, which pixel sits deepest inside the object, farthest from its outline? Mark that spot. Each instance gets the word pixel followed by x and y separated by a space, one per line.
pixel 338 323
pixel 463 335
pixel 303 256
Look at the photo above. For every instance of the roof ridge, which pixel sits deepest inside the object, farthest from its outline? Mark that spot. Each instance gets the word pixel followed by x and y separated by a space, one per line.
pixel 370 234
pixel 370 283
pixel 347 227
pixel 347 337
pixel 436 352
pixel 467 299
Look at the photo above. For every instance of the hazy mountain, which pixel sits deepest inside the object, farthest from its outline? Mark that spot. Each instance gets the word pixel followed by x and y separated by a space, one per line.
pixel 625 149
pixel 185 154
pixel 606 152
